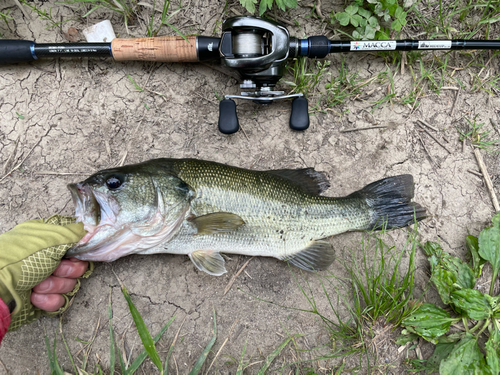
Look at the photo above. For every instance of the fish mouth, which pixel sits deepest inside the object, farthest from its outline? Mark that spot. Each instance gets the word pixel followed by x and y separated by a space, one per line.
pixel 87 209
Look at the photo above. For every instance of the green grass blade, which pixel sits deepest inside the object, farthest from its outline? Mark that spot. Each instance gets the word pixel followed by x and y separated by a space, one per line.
pixel 201 360
pixel 176 30
pixel 142 356
pixel 144 334
pixel 111 339
pixel 239 371
pixel 67 348
pixel 270 358
pixel 55 369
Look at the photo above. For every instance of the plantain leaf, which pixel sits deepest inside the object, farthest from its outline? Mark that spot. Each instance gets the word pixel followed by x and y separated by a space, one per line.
pixel 489 244
pixel 473 303
pixel 465 358
pixel 429 321
pixel 448 273
pixel 441 351
pixel 493 350
pixel 477 261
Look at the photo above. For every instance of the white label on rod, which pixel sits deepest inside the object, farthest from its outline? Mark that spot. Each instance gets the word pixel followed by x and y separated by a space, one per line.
pixel 376 45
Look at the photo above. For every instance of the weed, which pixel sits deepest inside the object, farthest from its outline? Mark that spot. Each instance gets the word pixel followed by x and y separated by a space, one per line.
pixel 264 5
pixel 477 136
pixel 369 17
pixel 456 282
pixel 307 74
pixel 43 15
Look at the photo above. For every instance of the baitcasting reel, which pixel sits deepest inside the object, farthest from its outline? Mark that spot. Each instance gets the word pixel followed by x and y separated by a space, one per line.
pixel 258 50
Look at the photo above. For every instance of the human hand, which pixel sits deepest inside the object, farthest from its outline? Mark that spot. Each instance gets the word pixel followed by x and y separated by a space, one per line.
pixel 29 254
pixel 47 295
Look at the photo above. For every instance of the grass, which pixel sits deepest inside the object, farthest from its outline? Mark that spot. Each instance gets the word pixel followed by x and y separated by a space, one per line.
pixel 377 293
pixel 474 133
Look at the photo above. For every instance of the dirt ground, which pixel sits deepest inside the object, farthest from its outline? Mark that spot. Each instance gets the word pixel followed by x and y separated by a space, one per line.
pixel 73 117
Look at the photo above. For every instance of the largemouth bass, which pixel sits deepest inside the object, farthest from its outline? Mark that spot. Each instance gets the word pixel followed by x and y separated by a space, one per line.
pixel 201 208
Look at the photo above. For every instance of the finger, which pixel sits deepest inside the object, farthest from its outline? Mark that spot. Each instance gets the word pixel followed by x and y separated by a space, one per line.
pixel 53 284
pixel 47 302
pixel 71 268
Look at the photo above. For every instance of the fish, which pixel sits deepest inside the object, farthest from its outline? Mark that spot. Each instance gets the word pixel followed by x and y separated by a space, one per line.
pixel 203 208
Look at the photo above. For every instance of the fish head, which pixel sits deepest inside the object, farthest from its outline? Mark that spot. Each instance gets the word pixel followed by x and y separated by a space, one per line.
pixel 126 210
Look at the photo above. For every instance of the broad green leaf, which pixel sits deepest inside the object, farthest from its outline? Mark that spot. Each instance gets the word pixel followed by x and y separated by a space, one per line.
pixel 373 22
pixel 364 13
pixel 351 10
pixel 477 261
pixel 493 350
pixel 343 18
pixel 465 358
pixel 429 321
pixel 249 5
pixel 356 20
pixel 489 244
pixel 369 32
pixel 406 337
pixel 291 3
pixel 448 273
pixel 396 25
pixel 472 302
pixel 441 351
pixel 265 5
pixel 382 35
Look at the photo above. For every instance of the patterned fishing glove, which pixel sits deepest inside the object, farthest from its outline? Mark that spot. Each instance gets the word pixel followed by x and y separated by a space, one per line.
pixel 29 253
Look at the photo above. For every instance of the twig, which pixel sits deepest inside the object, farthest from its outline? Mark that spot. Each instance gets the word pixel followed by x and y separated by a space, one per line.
pixel 425 148
pixel 454 103
pixel 495 125
pixel 11 157
pixel 436 140
pixel 487 179
pixel 475 173
pixel 233 279
pixel 26 157
pixel 6 371
pixel 62 173
pixel 26 15
pixel 426 124
pixel 365 128
pixel 224 343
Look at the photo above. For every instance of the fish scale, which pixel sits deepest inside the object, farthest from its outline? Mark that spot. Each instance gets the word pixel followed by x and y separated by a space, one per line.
pixel 202 208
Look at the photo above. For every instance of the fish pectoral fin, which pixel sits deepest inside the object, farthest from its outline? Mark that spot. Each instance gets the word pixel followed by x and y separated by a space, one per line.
pixel 317 256
pixel 219 222
pixel 209 261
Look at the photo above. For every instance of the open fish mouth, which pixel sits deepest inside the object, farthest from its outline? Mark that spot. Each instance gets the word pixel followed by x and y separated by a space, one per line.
pixel 87 209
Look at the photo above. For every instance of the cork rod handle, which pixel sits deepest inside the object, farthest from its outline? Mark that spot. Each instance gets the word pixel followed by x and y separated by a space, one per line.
pixel 163 49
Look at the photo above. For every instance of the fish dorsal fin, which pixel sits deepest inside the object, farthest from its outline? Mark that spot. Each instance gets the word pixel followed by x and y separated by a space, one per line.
pixel 219 222
pixel 307 179
pixel 208 261
pixel 317 256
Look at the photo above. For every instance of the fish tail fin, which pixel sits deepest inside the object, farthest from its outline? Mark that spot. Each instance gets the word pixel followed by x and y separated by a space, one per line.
pixel 390 200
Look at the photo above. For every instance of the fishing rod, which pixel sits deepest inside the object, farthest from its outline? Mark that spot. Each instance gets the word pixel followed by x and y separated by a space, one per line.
pixel 256 48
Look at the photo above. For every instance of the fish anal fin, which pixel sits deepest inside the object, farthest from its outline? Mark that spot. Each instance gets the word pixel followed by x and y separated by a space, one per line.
pixel 219 222
pixel 317 256
pixel 208 261
pixel 309 180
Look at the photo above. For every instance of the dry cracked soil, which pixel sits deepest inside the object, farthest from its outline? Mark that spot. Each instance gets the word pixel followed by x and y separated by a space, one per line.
pixel 63 119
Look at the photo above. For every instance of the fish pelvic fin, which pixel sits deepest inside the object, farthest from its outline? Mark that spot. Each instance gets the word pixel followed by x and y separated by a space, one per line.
pixel 317 256
pixel 219 222
pixel 209 261
pixel 390 200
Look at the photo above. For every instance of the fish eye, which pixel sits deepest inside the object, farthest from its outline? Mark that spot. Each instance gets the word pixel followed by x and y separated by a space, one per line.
pixel 113 182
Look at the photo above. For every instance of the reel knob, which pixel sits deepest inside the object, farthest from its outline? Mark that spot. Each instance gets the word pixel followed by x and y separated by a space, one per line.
pixel 228 119
pixel 299 118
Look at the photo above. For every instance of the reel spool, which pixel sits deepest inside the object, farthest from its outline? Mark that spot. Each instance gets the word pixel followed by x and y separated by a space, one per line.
pixel 258 50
